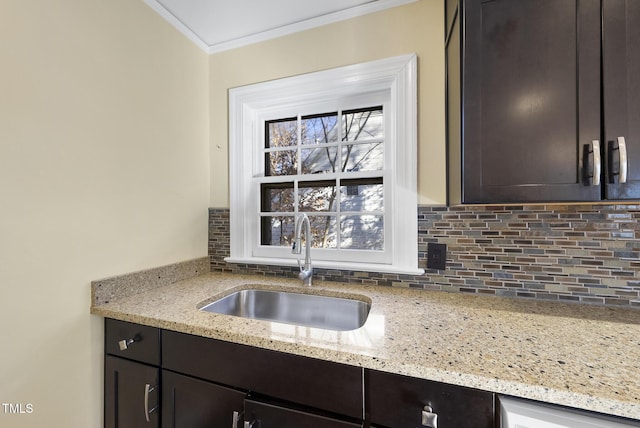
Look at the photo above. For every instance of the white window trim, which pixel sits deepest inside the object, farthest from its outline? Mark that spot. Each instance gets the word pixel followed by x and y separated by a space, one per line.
pixel 249 105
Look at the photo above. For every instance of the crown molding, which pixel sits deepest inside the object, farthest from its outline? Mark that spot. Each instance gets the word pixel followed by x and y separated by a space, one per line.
pixel 296 27
pixel 179 25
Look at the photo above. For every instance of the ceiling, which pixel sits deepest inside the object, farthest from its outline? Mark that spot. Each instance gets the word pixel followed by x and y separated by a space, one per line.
pixel 218 25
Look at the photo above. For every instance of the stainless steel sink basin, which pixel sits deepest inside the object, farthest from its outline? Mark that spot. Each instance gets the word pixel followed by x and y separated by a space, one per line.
pixel 330 313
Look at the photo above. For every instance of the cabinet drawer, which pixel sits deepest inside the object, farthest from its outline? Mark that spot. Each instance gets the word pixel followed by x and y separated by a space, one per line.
pixel 143 343
pixel 273 416
pixel 316 383
pixel 397 401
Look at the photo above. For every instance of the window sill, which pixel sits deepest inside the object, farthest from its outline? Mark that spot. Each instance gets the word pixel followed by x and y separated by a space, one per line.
pixel 350 266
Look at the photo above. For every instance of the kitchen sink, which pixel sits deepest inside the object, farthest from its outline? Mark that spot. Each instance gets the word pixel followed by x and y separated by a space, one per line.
pixel 309 310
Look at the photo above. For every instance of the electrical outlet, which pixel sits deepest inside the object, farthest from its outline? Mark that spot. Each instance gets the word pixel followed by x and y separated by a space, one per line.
pixel 436 256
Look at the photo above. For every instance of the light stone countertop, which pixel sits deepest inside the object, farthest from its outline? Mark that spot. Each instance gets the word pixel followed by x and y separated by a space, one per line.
pixel 586 357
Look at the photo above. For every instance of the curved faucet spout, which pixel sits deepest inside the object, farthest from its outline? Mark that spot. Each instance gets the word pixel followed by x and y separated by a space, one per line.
pixel 306 271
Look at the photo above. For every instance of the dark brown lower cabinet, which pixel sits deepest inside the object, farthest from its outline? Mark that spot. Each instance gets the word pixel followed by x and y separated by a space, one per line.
pixel 131 394
pixel 194 403
pixel 266 415
pixel 397 401
pixel 303 381
pixel 158 378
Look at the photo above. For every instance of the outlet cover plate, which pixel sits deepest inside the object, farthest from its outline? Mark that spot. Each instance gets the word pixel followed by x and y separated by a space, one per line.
pixel 436 256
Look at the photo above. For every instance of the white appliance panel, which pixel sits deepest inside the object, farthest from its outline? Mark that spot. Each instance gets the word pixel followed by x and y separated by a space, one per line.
pixel 515 413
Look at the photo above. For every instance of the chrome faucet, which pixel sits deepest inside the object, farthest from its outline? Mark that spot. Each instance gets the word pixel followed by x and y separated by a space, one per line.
pixel 306 271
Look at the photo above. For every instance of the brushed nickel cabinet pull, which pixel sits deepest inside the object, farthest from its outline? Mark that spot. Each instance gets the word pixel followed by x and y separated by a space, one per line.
pixel 624 160
pixel 236 419
pixel 591 163
pixel 148 389
pixel 124 344
pixel 597 166
pixel 429 419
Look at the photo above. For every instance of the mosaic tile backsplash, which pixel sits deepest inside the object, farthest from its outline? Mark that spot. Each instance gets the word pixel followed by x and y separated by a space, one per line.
pixel 581 253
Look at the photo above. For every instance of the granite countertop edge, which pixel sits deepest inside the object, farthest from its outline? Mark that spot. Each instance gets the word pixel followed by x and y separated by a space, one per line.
pixel 528 349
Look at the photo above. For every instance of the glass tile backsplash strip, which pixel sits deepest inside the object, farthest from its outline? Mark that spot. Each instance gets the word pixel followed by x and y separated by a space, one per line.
pixel 582 253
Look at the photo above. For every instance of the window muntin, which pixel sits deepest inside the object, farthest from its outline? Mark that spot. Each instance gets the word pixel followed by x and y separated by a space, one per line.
pixel 345 209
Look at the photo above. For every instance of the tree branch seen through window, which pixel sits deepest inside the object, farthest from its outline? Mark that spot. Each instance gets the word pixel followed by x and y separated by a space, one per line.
pixel 346 207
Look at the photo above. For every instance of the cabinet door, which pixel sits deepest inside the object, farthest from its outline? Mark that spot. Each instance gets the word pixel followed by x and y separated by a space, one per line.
pixel 621 80
pixel 531 99
pixel 193 403
pixel 398 401
pixel 130 394
pixel 265 415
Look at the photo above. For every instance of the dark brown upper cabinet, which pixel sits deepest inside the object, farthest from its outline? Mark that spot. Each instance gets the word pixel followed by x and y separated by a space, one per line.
pixel 621 97
pixel 543 100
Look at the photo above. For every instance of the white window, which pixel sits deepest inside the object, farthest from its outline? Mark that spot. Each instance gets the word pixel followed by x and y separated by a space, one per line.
pixel 339 145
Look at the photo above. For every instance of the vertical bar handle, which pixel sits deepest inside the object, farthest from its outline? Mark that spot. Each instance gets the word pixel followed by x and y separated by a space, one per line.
pixel 236 419
pixel 597 165
pixel 148 389
pixel 624 160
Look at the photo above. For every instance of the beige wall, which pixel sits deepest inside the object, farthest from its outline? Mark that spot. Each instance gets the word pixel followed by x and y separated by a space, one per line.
pixel 104 169
pixel 110 121
pixel 415 28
